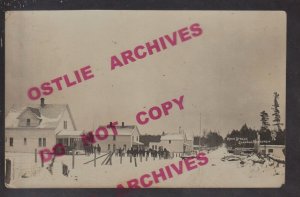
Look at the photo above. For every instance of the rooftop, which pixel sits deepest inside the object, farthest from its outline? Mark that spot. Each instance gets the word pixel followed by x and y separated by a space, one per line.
pixel 49 115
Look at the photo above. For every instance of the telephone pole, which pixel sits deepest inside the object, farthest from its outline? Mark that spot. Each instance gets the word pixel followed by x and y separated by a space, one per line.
pixel 200 131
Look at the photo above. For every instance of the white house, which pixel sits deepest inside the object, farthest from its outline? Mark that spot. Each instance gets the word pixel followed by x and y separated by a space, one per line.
pixel 189 143
pixel 36 126
pixel 128 136
pixel 174 142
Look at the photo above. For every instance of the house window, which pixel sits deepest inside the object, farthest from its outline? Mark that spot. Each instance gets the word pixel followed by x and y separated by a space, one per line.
pixel 44 142
pixel 155 147
pixel 108 147
pixel 11 141
pixel 40 142
pixel 25 141
pixel 114 138
pixel 28 122
pixel 114 147
pixel 152 146
pixel 65 124
pixel 137 138
pixel 270 151
pixel 124 146
pixel 132 138
pixel 169 141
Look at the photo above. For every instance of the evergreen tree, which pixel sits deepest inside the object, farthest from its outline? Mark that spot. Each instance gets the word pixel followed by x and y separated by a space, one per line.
pixel 276 113
pixel 264 121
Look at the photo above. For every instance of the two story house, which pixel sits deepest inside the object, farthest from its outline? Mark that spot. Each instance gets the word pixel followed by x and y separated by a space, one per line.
pixel 35 126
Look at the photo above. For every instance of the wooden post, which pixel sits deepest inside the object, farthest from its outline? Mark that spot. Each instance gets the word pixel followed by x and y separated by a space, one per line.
pixel 135 161
pixel 130 158
pixel 141 158
pixel 13 169
pixel 42 159
pixel 35 155
pixel 73 158
pixel 110 160
pixel 121 159
pixel 146 158
pixel 7 171
pixel 94 157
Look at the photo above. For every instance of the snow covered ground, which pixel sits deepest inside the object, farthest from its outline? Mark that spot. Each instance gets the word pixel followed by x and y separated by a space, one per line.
pixel 216 173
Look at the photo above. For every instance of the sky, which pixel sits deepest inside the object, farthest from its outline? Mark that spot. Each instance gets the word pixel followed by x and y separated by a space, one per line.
pixel 228 74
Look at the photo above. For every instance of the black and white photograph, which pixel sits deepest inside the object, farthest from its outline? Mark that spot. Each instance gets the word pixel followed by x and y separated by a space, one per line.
pixel 145 99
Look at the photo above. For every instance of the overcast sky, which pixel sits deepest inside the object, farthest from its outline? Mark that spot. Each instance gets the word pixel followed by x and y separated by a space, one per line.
pixel 228 74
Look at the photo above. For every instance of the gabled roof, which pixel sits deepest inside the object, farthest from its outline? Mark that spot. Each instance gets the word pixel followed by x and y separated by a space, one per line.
pixel 35 111
pixel 50 115
pixel 126 130
pixel 69 133
pixel 122 130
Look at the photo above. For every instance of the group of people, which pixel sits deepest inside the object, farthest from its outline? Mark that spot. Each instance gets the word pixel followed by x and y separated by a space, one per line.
pixel 161 153
pixel 90 149
pixel 133 151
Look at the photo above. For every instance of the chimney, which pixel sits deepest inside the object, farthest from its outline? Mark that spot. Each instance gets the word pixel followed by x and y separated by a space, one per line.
pixel 42 102
pixel 110 124
pixel 123 125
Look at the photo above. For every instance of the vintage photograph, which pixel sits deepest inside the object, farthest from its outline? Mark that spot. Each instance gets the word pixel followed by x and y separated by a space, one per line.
pixel 145 99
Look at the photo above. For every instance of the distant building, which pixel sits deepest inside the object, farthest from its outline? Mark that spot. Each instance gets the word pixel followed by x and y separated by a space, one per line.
pixel 36 126
pixel 128 136
pixel 174 142
pixel 277 151
pixel 189 143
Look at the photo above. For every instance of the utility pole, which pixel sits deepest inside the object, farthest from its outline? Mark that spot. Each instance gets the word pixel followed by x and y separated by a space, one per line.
pixel 200 131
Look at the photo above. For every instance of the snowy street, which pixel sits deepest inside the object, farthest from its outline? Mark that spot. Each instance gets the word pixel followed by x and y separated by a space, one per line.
pixel 216 173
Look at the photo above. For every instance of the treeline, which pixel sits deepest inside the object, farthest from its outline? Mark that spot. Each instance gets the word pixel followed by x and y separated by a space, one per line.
pixel 245 137
pixel 149 138
pixel 211 139
pixel 241 138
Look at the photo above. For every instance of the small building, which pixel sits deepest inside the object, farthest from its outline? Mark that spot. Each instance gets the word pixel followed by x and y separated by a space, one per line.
pixel 35 126
pixel 174 142
pixel 189 143
pixel 277 151
pixel 128 136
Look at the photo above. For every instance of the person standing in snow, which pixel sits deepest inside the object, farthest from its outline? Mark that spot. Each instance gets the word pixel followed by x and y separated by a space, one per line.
pixel 98 149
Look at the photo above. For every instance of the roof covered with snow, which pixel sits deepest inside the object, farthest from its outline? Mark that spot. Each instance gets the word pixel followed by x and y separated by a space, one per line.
pixel 49 115
pixel 122 130
pixel 69 133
